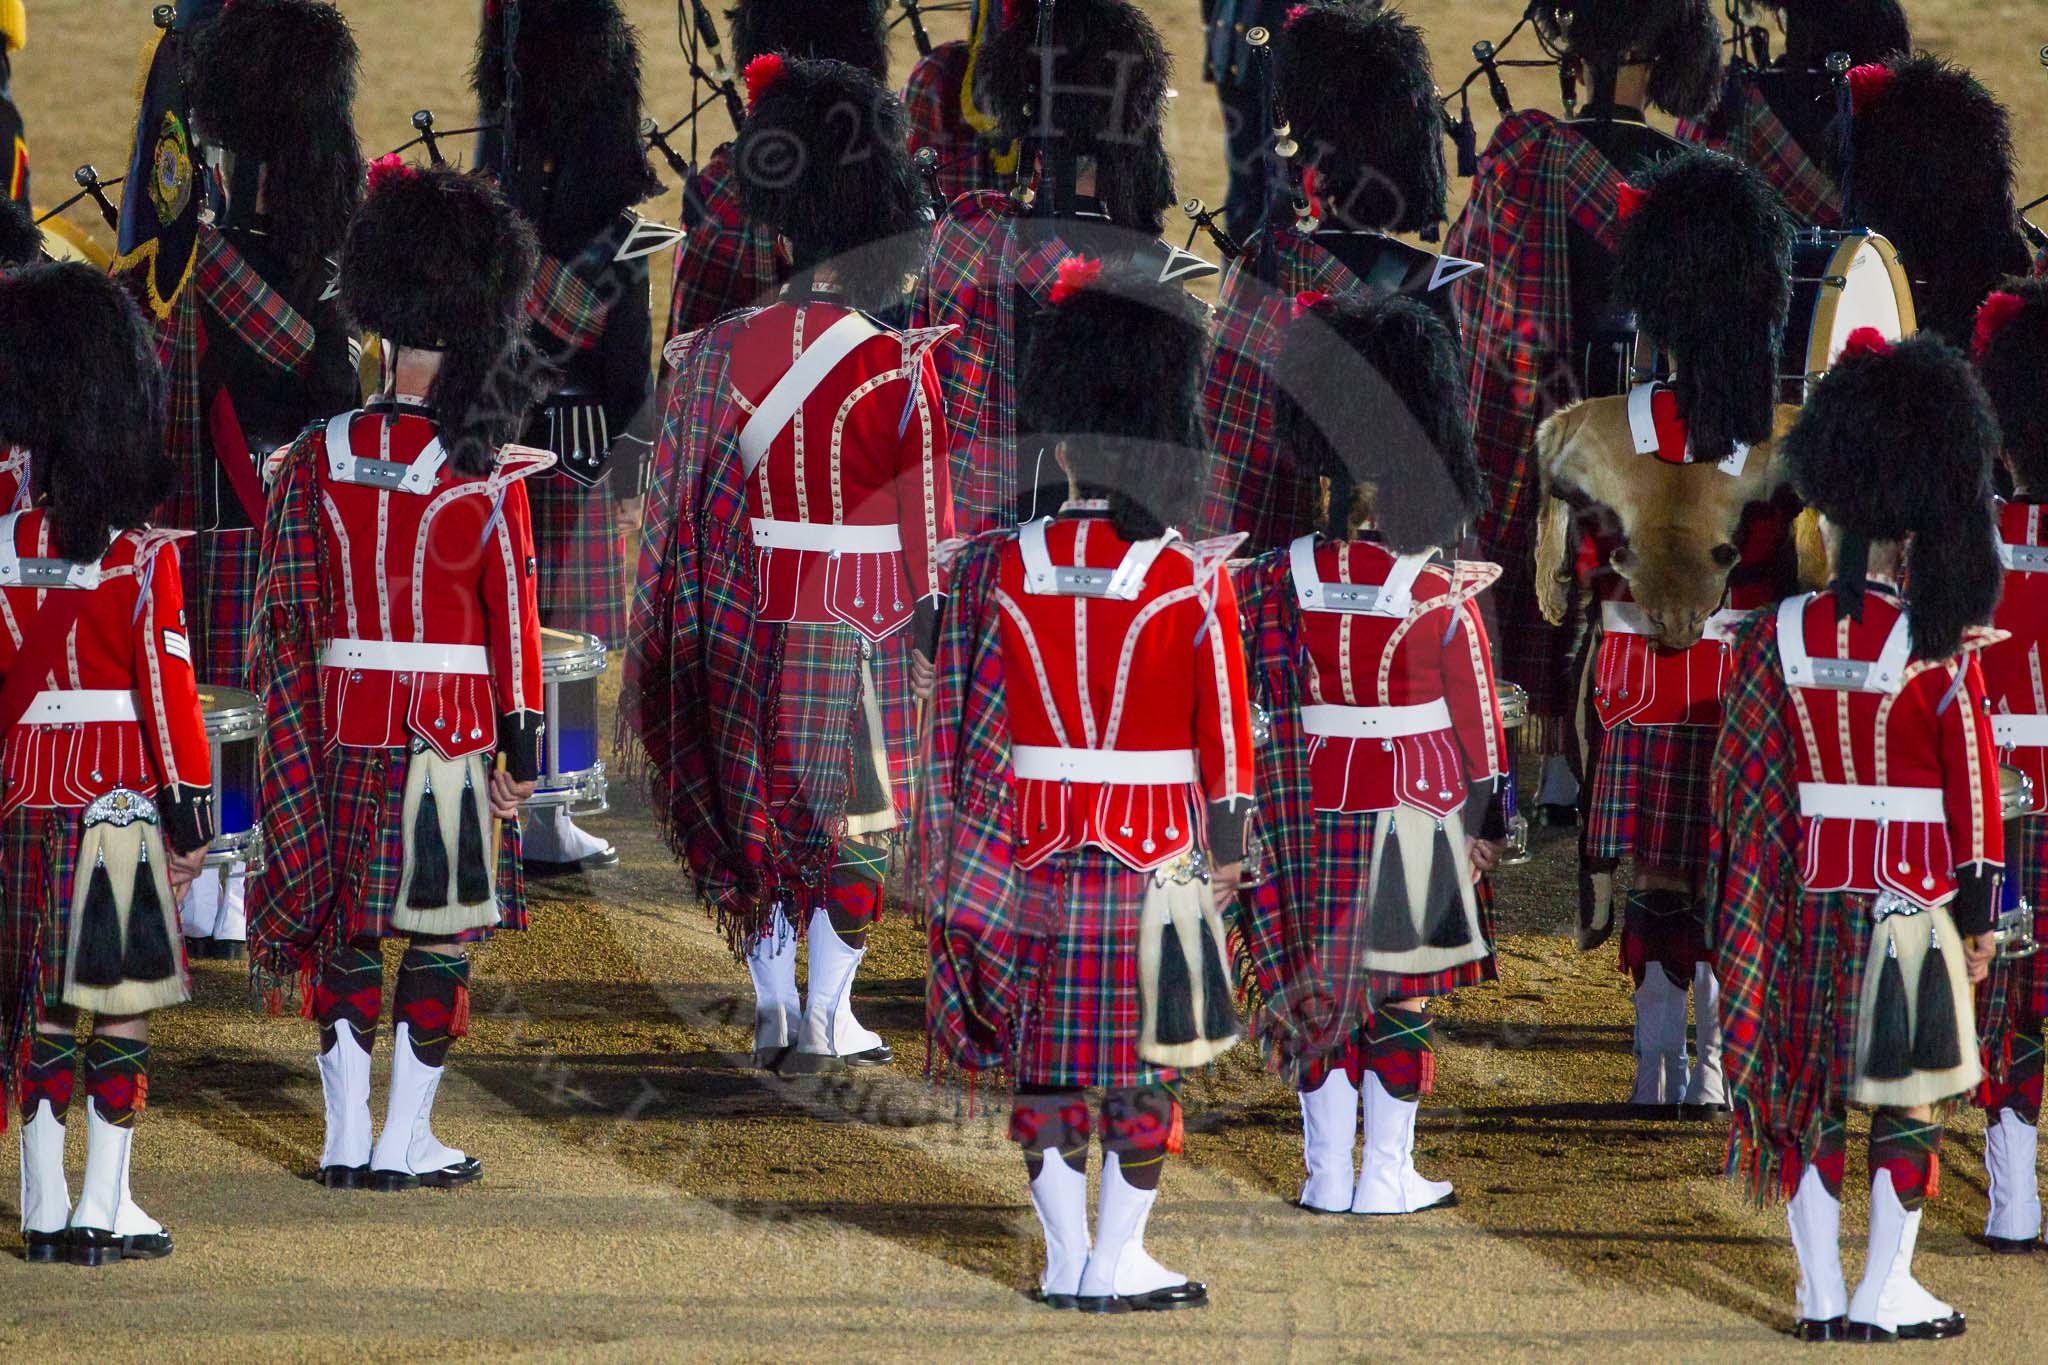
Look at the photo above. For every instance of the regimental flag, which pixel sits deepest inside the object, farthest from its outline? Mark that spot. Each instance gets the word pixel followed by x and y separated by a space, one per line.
pixel 160 202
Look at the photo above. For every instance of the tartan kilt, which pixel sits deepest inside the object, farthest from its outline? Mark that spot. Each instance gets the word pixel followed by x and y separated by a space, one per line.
pixel 363 794
pixel 1649 797
pixel 1082 1018
pixel 814 733
pixel 1818 1014
pixel 582 578
pixel 39 847
pixel 1344 851
pixel 222 607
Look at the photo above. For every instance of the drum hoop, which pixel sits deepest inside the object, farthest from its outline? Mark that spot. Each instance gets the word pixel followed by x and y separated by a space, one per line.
pixel 1514 705
pixel 240 719
pixel 2015 792
pixel 1827 299
pixel 583 660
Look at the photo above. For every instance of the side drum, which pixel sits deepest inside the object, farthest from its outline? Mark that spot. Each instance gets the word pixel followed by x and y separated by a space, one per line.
pixel 1514 714
pixel 572 775
pixel 2015 928
pixel 234 724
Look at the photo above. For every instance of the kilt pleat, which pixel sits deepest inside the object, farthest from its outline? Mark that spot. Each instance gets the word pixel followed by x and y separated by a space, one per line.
pixel 364 794
pixel 1648 798
pixel 582 558
pixel 1082 1020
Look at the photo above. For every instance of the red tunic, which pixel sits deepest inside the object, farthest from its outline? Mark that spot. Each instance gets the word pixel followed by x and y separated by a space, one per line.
pixel 1910 771
pixel 1414 652
pixel 432 627
pixel 851 493
pixel 2016 669
pixel 128 652
pixel 1152 671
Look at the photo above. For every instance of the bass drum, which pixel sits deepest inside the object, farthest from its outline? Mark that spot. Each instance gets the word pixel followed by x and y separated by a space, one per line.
pixel 1840 281
pixel 64 242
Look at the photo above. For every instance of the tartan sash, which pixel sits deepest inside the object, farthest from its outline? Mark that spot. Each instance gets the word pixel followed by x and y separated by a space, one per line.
pixel 1304 1006
pixel 293 920
pixel 1778 1091
pixel 703 683
pixel 984 933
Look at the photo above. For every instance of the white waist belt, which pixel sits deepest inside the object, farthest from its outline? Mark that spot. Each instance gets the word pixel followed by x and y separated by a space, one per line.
pixel 405 656
pixel 2022 731
pixel 1376 722
pixel 1139 767
pixel 80 707
pixel 1854 801
pixel 825 535
pixel 1626 618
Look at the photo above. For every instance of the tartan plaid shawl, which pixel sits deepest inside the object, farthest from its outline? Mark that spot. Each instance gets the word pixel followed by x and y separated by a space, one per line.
pixel 224 284
pixel 1538 178
pixel 725 263
pixel 984 933
pixel 565 302
pixel 1746 127
pixel 1298 1009
pixel 977 261
pixel 1246 491
pixel 291 901
pixel 704 682
pixel 1754 922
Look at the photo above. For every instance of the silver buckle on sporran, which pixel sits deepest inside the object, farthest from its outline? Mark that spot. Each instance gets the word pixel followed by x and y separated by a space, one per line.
pixel 1192 866
pixel 121 808
pixel 1891 903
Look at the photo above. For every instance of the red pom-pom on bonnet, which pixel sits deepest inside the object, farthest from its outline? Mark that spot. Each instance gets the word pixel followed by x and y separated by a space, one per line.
pixel 389 169
pixel 1999 307
pixel 1867 84
pixel 1306 300
pixel 1075 274
pixel 1865 341
pixel 1627 200
pixel 761 73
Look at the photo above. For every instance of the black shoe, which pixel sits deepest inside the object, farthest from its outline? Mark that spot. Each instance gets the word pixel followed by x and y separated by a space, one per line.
pixel 799 1063
pixel 45 1248
pixel 1936 1329
pixel 1449 1201
pixel 344 1177
pixel 1320 1213
pixel 771 1058
pixel 1558 817
pixel 96 1246
pixel 874 1056
pixel 1703 1113
pixel 391 1182
pixel 2012 1246
pixel 1037 1295
pixel 1191 1294
pixel 230 950
pixel 608 856
pixel 1821 1329
pixel 451 1177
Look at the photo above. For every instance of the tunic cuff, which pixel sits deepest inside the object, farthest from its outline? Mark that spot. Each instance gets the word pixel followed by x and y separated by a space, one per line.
pixel 1485 809
pixel 519 739
pixel 1973 909
pixel 1227 821
pixel 187 813
pixel 924 625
